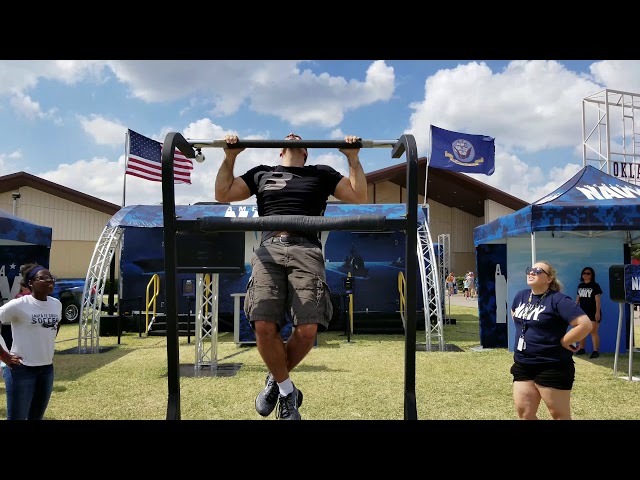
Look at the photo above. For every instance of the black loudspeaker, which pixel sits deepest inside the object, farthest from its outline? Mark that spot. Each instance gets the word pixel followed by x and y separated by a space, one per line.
pixel 215 252
pixel 616 284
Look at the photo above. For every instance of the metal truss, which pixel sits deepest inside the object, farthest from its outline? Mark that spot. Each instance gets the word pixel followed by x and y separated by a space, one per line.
pixel 207 287
pixel 431 291
pixel 89 322
pixel 610 136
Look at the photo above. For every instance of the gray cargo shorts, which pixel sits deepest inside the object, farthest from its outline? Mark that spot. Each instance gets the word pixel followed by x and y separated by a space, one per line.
pixel 288 277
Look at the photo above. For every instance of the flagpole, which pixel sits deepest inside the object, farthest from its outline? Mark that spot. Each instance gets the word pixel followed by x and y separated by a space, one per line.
pixel 426 171
pixel 126 159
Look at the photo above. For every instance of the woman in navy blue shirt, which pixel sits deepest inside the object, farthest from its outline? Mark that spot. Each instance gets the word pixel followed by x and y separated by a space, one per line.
pixel 543 367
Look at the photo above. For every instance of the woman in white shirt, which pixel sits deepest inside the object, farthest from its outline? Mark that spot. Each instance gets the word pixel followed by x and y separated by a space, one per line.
pixel 35 320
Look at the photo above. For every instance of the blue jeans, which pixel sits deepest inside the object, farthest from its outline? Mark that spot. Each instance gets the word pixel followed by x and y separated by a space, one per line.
pixel 8 384
pixel 28 391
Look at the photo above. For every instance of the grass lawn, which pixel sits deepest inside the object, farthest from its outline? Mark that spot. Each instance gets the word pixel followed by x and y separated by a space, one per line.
pixel 361 380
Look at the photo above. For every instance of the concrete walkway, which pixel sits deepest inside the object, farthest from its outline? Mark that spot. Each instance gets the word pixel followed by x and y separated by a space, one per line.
pixel 458 300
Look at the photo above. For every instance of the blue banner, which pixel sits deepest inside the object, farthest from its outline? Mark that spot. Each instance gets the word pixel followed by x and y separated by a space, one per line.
pixel 462 152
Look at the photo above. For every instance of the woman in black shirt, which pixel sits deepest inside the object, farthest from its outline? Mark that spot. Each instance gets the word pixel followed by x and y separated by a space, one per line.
pixel 588 299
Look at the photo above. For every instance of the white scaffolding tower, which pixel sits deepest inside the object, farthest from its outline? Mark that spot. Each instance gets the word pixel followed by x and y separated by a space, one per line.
pixel 610 133
pixel 207 289
pixel 431 289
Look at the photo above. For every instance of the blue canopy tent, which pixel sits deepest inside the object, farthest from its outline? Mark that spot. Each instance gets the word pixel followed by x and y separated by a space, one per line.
pixel 591 220
pixel 17 231
pixel 20 242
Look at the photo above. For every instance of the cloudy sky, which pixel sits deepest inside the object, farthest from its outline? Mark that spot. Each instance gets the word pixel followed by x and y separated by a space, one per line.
pixel 66 121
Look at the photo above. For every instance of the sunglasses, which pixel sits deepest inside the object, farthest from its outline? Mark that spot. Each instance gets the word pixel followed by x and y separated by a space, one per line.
pixel 46 278
pixel 535 271
pixel 293 135
pixel 586 273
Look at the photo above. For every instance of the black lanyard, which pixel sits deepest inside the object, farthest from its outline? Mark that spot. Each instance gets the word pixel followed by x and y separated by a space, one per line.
pixel 524 320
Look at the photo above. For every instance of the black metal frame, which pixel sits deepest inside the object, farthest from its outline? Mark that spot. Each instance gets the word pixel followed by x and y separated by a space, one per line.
pixel 406 144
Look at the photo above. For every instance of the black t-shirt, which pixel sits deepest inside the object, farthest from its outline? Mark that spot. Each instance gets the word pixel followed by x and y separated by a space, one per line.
pixel 587 293
pixel 283 190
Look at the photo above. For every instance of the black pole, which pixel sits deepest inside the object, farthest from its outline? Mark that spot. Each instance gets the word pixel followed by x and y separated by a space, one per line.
pixel 407 144
pixel 348 312
pixel 171 141
pixel 140 317
pixel 188 319
pixel 112 276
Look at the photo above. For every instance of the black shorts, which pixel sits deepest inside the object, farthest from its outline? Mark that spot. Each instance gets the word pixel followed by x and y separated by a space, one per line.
pixel 559 375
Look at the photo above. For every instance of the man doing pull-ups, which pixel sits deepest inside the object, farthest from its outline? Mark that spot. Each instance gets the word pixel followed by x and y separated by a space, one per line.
pixel 288 268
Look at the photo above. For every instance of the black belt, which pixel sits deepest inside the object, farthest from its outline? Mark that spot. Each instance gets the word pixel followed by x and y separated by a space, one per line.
pixel 286 239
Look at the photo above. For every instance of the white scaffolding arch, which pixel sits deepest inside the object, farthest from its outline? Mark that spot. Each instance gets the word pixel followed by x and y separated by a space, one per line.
pixel 89 322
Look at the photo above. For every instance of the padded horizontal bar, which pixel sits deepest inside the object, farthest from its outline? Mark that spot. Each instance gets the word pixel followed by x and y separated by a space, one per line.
pixel 294 223
pixel 299 143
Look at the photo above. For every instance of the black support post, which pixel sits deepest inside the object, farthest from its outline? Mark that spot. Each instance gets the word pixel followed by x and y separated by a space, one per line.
pixel 172 140
pixel 407 144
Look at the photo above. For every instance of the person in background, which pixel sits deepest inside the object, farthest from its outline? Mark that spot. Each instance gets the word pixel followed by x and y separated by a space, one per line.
pixel 472 285
pixel 24 290
pixel 465 285
pixel 543 367
pixel 35 320
pixel 451 280
pixel 588 299
pixel 288 268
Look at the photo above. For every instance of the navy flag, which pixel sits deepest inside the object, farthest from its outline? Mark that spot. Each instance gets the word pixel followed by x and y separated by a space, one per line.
pixel 461 152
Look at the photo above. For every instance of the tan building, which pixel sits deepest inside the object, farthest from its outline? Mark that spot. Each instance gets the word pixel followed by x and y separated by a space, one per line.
pixel 76 219
pixel 457 204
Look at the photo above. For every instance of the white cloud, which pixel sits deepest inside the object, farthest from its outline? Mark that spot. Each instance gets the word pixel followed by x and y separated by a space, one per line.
pixel 532 108
pixel 24 106
pixel 621 75
pixel 103 131
pixel 528 107
pixel 275 87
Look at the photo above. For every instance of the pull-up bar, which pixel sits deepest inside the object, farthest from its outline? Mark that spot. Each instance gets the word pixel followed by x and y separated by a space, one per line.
pixel 200 144
pixel 405 144
pixel 287 143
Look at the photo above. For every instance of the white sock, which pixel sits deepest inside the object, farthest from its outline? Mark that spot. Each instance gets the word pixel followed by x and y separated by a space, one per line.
pixel 285 387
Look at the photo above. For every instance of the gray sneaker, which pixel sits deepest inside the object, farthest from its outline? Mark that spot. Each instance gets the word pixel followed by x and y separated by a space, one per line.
pixel 288 406
pixel 267 398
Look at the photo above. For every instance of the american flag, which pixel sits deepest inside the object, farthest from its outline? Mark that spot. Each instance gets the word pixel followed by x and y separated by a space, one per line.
pixel 145 160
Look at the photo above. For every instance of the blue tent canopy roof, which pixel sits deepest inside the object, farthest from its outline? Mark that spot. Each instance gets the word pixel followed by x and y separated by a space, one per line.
pixel 591 200
pixel 17 231
pixel 149 216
